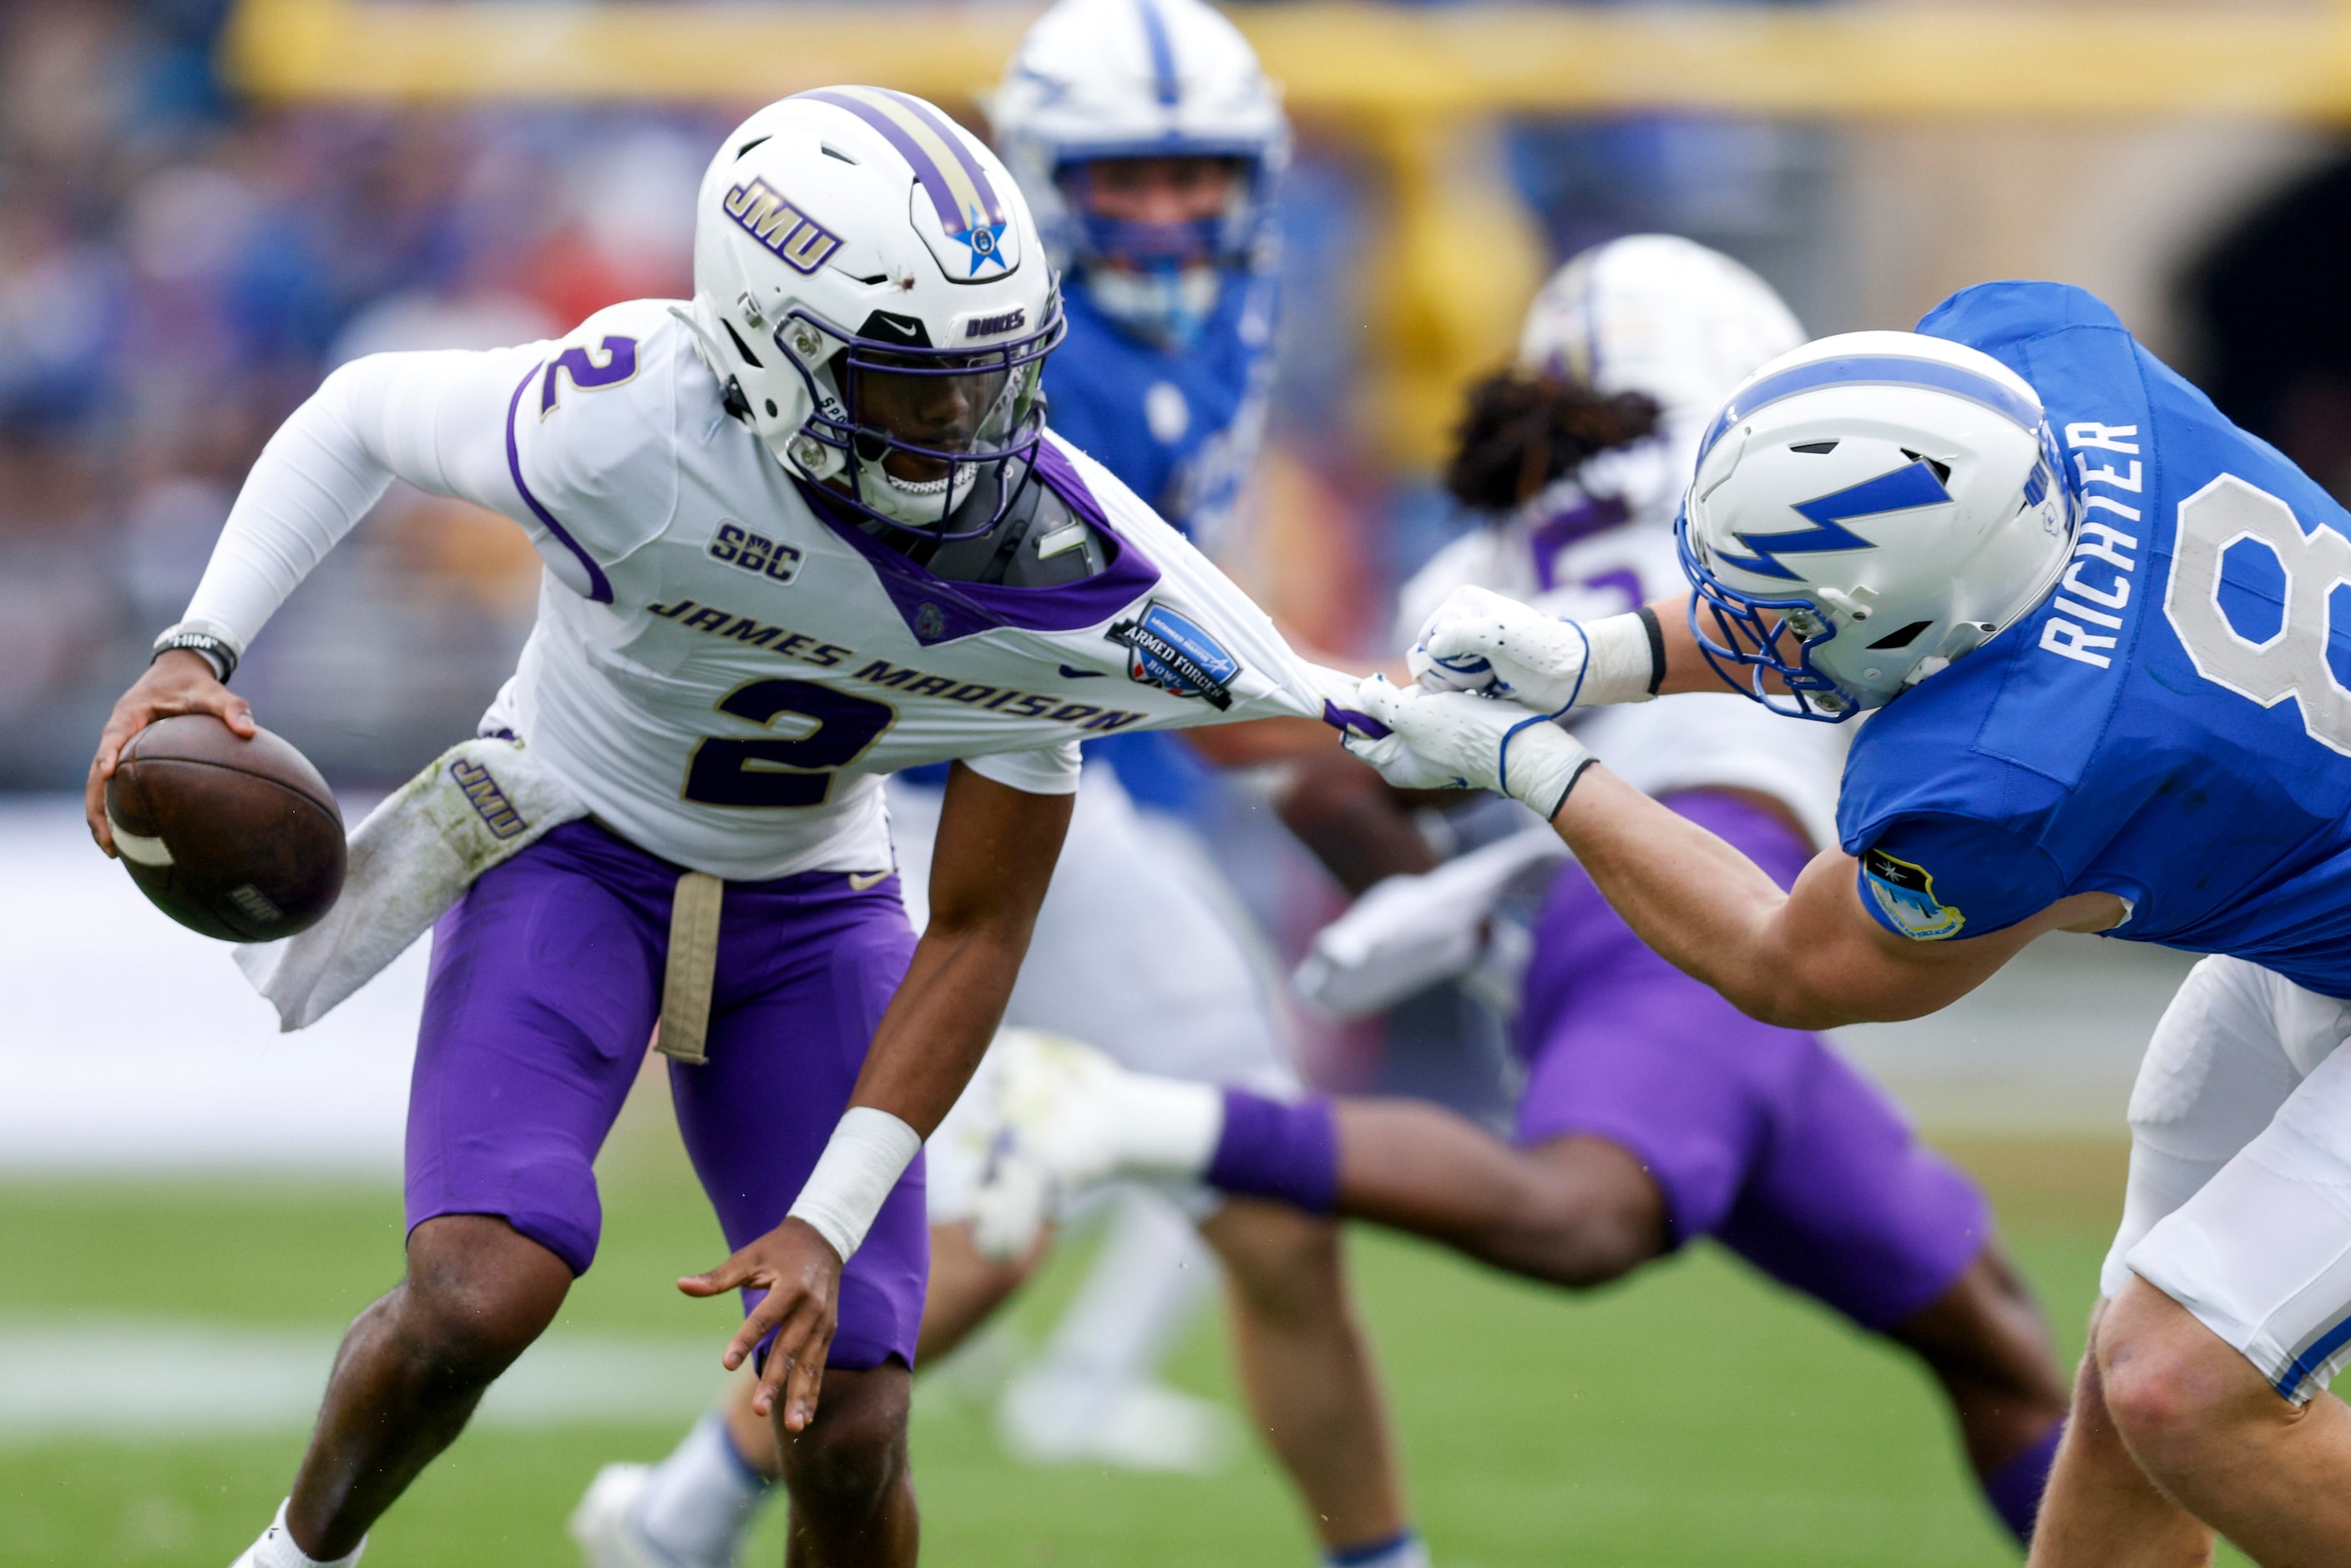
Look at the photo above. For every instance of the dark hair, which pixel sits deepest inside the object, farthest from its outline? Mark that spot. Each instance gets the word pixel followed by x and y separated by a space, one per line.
pixel 1523 430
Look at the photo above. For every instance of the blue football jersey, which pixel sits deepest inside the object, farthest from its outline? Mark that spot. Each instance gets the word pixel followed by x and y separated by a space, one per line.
pixel 1181 428
pixel 2173 725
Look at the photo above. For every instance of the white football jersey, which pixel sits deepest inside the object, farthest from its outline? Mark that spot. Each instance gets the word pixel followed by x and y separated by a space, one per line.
pixel 1599 543
pixel 722 668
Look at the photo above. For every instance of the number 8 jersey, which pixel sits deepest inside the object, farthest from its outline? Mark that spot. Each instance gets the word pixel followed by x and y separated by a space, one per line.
pixel 2172 725
pixel 724 664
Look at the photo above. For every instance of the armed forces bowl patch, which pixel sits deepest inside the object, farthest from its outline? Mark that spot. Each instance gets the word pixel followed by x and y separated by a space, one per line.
pixel 1169 651
pixel 1906 898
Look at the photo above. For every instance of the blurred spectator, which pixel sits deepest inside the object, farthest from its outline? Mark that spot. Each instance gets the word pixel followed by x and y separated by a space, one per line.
pixel 176 272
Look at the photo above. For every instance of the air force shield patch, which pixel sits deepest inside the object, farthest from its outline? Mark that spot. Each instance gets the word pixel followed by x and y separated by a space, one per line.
pixel 1170 651
pixel 1905 896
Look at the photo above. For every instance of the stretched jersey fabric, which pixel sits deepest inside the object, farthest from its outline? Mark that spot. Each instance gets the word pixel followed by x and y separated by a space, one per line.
pixel 1181 428
pixel 1601 542
pixel 723 667
pixel 2173 725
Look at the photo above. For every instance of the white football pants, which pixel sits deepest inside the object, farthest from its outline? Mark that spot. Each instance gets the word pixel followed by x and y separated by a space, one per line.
pixel 2238 1206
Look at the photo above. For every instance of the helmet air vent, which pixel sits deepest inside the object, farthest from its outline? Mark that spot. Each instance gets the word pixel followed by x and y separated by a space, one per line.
pixel 741 347
pixel 1942 470
pixel 1814 448
pixel 755 141
pixel 830 150
pixel 1903 637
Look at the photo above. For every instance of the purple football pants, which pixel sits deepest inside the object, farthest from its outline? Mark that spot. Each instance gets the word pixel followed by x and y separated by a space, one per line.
pixel 546 984
pixel 1760 1137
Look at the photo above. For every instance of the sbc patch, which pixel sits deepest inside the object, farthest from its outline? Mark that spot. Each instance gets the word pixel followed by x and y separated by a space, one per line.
pixel 1169 651
pixel 1905 897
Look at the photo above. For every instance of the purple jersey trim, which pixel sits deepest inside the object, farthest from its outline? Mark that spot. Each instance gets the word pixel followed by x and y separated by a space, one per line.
pixel 1339 717
pixel 926 169
pixel 1590 515
pixel 937 611
pixel 599 587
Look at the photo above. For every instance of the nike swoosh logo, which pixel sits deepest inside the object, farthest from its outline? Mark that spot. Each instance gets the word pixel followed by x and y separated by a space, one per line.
pixel 866 881
pixel 1070 674
pixel 908 333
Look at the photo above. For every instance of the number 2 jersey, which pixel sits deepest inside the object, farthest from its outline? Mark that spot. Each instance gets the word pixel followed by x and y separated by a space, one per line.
pixel 2172 725
pixel 724 664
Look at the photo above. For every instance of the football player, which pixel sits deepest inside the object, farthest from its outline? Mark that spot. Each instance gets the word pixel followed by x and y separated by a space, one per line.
pixel 801 531
pixel 1148 142
pixel 1653 1112
pixel 2092 621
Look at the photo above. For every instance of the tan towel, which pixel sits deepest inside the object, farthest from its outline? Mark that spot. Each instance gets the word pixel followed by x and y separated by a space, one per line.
pixel 693 968
pixel 478 804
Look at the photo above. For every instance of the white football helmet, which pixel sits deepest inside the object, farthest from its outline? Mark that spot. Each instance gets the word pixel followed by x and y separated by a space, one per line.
pixel 1098 79
pixel 1658 315
pixel 869 286
pixel 1866 510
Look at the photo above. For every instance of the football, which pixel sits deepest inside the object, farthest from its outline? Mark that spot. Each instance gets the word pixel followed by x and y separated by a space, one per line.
pixel 238 838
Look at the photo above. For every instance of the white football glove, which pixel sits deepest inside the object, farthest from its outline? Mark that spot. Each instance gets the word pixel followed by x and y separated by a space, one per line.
pixel 1407 933
pixel 1454 740
pixel 1479 640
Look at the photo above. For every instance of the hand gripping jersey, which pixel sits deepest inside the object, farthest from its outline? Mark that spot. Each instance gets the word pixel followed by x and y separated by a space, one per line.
pixel 1601 542
pixel 2173 725
pixel 723 666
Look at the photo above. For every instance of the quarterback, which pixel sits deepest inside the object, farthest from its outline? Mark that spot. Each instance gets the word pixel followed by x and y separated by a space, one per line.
pixel 801 531
pixel 1148 142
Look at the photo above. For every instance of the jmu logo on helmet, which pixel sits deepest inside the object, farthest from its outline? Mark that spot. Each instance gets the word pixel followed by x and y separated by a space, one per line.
pixel 764 213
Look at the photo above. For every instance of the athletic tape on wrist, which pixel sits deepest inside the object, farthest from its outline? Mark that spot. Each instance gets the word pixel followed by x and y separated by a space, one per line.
pixel 869 1151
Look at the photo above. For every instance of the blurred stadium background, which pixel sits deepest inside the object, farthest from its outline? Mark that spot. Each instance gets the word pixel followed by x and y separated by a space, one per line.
pixel 204 206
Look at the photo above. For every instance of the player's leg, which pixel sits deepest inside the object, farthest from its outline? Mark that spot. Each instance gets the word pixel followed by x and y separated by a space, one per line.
pixel 1987 1343
pixel 1308 1375
pixel 694 1507
pixel 2216 1354
pixel 806 966
pixel 2214 1075
pixel 2100 1508
pixel 542 992
pixel 412 1367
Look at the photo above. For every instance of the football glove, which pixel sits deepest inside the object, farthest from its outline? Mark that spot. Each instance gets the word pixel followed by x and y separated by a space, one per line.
pixel 1479 640
pixel 1455 740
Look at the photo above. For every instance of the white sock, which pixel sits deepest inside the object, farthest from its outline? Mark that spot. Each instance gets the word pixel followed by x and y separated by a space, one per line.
pixel 1402 1550
pixel 698 1503
pixel 1166 1126
pixel 276 1549
pixel 1152 1274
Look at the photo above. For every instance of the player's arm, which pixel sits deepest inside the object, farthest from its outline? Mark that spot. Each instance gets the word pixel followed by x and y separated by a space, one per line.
pixel 995 849
pixel 1812 958
pixel 1477 640
pixel 436 420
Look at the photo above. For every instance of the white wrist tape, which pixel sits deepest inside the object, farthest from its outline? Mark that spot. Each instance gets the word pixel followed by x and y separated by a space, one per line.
pixel 870 1150
pixel 1625 659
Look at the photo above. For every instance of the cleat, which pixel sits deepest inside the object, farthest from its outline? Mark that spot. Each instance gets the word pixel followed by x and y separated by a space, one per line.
pixel 1047 1419
pixel 605 1523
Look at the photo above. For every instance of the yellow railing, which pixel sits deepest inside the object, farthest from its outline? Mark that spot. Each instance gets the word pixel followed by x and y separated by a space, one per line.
pixel 1413 86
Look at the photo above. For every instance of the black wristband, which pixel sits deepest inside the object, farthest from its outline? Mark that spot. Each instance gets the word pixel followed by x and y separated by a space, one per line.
pixel 1656 650
pixel 214 651
pixel 1572 779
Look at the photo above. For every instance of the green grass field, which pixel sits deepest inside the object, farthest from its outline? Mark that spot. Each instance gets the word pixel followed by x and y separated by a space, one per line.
pixel 1695 1415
